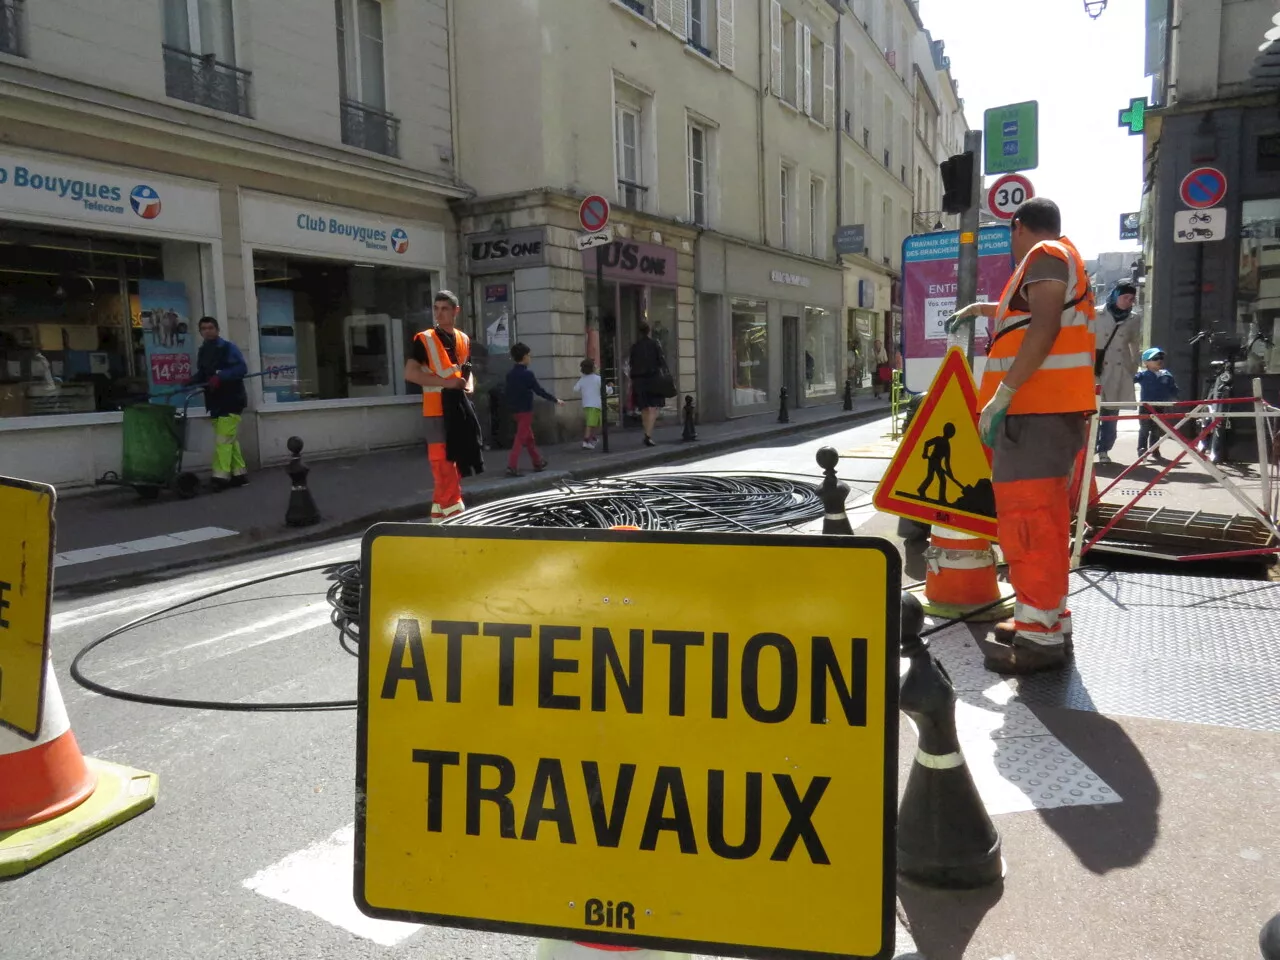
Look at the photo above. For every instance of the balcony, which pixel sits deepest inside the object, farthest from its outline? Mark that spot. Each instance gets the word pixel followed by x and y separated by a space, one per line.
pixel 199 78
pixel 12 15
pixel 370 129
pixel 631 194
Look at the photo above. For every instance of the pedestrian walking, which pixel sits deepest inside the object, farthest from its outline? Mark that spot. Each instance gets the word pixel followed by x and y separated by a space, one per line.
pixel 441 361
pixel 220 367
pixel 1155 385
pixel 588 387
pixel 651 381
pixel 1036 396
pixel 1118 331
pixel 522 384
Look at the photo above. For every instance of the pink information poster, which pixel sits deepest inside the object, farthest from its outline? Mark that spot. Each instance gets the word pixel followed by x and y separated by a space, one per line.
pixel 929 297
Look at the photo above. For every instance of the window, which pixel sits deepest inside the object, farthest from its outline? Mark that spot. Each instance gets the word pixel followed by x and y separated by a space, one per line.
pixel 200 55
pixel 821 362
pixel 818 218
pixel 631 189
pixel 786 197
pixel 698 208
pixel 362 78
pixel 886 228
pixel 888 133
pixel 750 352
pixel 700 28
pixel 12 15
pixel 850 91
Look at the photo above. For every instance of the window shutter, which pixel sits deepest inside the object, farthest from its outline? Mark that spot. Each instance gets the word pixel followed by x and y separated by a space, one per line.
pixel 724 34
pixel 829 85
pixel 775 48
pixel 804 67
pixel 662 11
pixel 680 18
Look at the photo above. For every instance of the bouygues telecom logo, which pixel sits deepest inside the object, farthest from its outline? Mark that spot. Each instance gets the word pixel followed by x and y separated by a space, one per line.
pixel 399 241
pixel 145 201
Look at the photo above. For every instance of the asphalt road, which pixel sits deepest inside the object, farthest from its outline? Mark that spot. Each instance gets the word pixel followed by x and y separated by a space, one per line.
pixel 1169 850
pixel 206 874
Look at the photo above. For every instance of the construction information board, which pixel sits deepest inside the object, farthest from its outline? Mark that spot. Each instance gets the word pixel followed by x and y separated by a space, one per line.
pixel 635 739
pixel 26 583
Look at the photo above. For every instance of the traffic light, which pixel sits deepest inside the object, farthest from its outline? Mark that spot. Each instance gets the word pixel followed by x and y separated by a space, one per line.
pixel 957 183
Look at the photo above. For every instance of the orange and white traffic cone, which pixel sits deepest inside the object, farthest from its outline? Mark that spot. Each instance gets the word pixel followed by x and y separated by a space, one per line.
pixel 566 950
pixel 961 578
pixel 53 798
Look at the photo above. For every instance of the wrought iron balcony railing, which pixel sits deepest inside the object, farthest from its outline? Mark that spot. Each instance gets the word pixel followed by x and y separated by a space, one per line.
pixel 369 128
pixel 203 79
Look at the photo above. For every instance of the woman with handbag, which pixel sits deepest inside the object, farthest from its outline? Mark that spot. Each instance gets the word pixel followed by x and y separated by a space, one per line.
pixel 651 381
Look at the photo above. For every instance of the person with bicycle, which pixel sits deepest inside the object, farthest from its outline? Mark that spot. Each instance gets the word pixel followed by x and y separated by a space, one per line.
pixel 1118 330
pixel 1155 385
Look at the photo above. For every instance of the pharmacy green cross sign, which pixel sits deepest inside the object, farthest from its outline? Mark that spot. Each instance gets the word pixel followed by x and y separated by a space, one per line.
pixel 1135 118
pixel 1011 137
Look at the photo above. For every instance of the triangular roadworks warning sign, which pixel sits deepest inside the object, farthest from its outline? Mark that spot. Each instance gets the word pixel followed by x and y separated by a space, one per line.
pixel 942 472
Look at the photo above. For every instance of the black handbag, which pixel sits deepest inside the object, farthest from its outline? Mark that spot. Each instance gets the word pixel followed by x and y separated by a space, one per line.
pixel 664 384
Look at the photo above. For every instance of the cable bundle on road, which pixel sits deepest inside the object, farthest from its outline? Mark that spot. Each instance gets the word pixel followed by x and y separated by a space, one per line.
pixel 669 501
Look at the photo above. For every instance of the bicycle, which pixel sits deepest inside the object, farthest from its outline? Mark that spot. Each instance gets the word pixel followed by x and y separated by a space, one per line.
pixel 1215 446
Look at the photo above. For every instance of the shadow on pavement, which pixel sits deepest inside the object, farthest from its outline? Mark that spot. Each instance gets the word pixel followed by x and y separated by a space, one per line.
pixel 942 922
pixel 1111 836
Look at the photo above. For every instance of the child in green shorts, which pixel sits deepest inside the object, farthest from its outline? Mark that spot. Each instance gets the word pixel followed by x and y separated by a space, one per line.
pixel 588 386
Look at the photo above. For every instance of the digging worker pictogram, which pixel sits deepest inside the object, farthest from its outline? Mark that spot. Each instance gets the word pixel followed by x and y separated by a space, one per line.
pixel 937 450
pixel 1037 391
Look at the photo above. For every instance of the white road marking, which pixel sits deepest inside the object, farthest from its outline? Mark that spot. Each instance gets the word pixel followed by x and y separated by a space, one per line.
pixel 145 545
pixel 317 880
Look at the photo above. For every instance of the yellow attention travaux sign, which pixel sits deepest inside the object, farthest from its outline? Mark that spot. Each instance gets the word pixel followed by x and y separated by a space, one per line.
pixel 26 579
pixel 631 738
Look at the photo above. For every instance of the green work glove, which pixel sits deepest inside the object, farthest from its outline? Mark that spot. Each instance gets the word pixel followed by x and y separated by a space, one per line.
pixel 993 414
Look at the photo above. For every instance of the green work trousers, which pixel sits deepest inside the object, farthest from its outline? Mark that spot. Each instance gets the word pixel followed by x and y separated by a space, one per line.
pixel 228 461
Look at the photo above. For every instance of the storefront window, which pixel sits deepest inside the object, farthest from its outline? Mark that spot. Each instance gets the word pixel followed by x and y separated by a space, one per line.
pixel 347 328
pixel 821 363
pixel 750 353
pixel 662 320
pixel 91 322
pixel 1258 297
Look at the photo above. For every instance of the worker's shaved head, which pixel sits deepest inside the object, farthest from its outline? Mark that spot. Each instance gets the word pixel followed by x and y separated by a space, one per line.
pixel 1040 215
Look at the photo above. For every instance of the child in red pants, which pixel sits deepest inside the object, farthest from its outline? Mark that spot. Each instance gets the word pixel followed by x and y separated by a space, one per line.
pixel 521 386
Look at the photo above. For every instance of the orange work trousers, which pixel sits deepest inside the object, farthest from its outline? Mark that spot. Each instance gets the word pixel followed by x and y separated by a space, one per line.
pixel 1033 518
pixel 446 493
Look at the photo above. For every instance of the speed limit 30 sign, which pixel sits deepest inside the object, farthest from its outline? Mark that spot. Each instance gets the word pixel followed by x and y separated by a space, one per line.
pixel 1007 194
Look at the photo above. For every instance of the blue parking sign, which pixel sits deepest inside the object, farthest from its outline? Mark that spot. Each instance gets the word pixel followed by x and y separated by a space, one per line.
pixel 1011 128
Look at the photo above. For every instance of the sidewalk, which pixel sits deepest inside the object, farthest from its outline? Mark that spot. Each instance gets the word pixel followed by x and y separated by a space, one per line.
pixel 113 534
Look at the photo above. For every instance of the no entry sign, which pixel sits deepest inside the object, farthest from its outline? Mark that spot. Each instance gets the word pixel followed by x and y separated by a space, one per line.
pixel 1204 187
pixel 594 213
pixel 548 745
pixel 1007 194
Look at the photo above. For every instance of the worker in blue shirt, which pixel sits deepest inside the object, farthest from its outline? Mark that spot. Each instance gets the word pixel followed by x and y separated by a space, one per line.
pixel 221 368
pixel 1156 385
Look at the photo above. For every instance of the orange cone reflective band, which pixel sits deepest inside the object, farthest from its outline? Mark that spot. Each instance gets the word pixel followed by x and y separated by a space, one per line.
pixel 41 780
pixel 961 570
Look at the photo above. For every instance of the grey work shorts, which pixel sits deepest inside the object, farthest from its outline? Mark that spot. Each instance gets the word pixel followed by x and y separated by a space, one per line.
pixel 1038 446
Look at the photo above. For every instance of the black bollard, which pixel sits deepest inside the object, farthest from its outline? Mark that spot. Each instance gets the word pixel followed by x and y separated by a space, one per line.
pixel 945 838
pixel 689 432
pixel 833 492
pixel 302 510
pixel 495 418
pixel 1269 939
pixel 783 415
pixel 848 394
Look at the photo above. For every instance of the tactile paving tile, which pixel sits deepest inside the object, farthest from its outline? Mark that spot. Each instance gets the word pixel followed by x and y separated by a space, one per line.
pixel 1033 773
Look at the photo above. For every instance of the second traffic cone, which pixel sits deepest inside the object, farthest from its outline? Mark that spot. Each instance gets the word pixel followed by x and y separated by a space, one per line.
pixel 53 798
pixel 961 578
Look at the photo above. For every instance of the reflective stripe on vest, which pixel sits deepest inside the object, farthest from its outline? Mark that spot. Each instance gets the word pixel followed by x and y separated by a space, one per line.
pixel 438 363
pixel 1064 383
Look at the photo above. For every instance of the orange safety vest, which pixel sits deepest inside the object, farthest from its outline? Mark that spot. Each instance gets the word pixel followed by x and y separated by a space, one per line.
pixel 1064 383
pixel 438 362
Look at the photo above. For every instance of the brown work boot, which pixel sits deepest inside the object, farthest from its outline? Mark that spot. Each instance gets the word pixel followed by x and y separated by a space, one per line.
pixel 1009 651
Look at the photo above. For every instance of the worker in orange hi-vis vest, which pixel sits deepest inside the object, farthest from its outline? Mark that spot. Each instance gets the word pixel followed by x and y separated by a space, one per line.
pixel 441 361
pixel 1036 396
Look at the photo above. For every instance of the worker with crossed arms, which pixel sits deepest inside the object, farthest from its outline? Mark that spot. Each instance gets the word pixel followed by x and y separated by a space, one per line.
pixel 1036 396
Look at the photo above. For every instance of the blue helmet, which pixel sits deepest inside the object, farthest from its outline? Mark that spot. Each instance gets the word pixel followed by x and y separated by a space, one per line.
pixel 1152 353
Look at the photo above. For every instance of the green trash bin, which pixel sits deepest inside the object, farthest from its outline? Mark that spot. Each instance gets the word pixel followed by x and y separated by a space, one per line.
pixel 154 435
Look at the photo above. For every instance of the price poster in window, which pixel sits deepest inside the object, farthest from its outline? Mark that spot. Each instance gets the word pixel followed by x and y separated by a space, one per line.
pixel 169 336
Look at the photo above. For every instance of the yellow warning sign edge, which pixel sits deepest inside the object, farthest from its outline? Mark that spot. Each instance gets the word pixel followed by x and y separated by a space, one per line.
pixel 883 500
pixel 888 920
pixel 52 494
